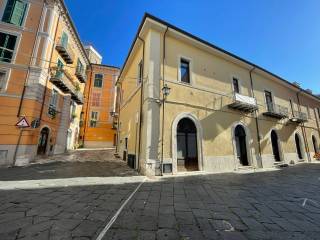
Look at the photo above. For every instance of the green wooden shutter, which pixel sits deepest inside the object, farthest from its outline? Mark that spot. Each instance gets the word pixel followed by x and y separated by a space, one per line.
pixel 8 11
pixel 18 13
pixel 64 40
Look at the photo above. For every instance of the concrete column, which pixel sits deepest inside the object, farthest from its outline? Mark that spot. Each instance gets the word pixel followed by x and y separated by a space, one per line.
pixel 152 107
pixel 61 141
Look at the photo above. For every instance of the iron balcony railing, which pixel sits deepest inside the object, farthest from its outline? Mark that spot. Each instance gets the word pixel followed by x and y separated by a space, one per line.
pixel 81 74
pixel 65 51
pixel 63 80
pixel 243 103
pixel 299 117
pixel 277 111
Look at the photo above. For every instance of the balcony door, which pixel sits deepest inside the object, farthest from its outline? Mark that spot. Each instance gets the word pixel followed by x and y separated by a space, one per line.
pixel 269 101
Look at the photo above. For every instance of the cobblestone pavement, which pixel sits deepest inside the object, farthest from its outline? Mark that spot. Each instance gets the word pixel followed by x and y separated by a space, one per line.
pixel 282 204
pixel 76 200
pixel 63 200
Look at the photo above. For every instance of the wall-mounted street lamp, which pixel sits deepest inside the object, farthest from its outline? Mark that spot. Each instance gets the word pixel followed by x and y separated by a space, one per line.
pixel 165 91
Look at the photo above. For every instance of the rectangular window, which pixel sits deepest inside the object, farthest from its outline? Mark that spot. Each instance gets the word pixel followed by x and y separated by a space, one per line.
pixel 7 45
pixel 95 99
pixel 79 68
pixel 14 12
pixel 94 119
pixel 52 110
pixel 3 80
pixel 269 101
pixel 235 83
pixel 140 72
pixel 64 40
pixel 98 80
pixel 185 71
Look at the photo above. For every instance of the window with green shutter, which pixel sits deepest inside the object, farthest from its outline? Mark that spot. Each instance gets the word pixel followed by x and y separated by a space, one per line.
pixel 79 66
pixel 64 40
pixel 14 12
pixel 7 45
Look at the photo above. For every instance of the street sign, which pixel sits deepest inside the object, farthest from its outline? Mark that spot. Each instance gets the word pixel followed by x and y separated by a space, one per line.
pixel 22 123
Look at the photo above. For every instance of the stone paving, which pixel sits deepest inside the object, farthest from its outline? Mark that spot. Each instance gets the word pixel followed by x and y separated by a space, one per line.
pixel 282 204
pixel 76 200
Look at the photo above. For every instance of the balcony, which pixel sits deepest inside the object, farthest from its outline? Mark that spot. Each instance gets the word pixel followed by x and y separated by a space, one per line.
pixel 77 97
pixel 62 80
pixel 299 117
pixel 81 75
pixel 65 51
pixel 243 103
pixel 276 111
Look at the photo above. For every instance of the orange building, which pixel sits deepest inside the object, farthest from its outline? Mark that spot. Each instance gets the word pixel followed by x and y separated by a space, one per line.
pixel 42 78
pixel 97 127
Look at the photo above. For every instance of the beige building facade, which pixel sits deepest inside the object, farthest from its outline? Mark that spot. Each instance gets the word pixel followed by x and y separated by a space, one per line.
pixel 188 105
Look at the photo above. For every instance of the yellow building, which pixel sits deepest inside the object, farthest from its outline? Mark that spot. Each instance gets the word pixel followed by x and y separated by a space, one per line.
pixel 42 77
pixel 97 123
pixel 188 105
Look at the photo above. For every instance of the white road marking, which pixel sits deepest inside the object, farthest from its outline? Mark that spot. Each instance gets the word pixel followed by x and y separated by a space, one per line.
pixel 113 219
pixel 310 200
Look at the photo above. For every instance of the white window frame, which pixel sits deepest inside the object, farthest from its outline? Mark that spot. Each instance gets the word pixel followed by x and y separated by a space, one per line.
pixel 265 99
pixel 97 119
pixel 7 72
pixel 16 47
pixel 181 57
pixel 25 14
pixel 232 76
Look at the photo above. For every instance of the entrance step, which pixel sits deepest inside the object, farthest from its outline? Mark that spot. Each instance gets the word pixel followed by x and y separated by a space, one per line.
pixel 245 168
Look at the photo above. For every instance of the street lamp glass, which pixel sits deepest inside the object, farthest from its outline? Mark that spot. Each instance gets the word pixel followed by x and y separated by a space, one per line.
pixel 166 90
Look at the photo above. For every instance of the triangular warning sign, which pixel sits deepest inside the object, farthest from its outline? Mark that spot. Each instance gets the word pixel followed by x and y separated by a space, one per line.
pixel 22 123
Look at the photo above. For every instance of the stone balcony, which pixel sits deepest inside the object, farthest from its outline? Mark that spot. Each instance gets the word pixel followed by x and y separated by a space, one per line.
pixel 65 52
pixel 243 103
pixel 63 80
pixel 276 111
pixel 81 75
pixel 299 117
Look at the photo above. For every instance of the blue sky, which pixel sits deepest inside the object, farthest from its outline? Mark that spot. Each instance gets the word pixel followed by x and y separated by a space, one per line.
pixel 281 36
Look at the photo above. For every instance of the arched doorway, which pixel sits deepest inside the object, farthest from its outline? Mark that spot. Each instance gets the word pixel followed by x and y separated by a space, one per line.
pixel 298 145
pixel 187 149
pixel 241 145
pixel 275 146
pixel 315 144
pixel 43 141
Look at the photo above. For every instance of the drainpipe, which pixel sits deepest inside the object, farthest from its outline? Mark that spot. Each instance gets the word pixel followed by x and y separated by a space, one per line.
pixel 118 118
pixel 45 87
pixel 317 120
pixel 256 117
pixel 163 98
pixel 87 107
pixel 303 129
pixel 141 105
pixel 31 58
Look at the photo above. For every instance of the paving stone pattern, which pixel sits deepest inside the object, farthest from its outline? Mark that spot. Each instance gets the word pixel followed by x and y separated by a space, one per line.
pixel 281 204
pixel 261 205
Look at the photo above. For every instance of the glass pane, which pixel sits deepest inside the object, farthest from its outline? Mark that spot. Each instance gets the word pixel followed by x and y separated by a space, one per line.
pixel 192 145
pixel 181 146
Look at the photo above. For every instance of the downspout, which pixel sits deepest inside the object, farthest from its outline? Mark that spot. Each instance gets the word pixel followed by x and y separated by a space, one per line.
pixel 303 129
pixel 51 54
pixel 88 101
pixel 163 98
pixel 256 117
pixel 317 120
pixel 141 103
pixel 118 118
pixel 30 62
